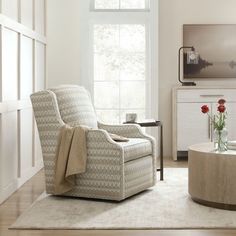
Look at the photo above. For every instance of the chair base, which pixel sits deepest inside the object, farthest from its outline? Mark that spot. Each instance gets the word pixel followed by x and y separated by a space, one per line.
pixel 139 175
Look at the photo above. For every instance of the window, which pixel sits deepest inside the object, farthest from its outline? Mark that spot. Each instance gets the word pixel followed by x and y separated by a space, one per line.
pixel 119 70
pixel 120 4
pixel 117 63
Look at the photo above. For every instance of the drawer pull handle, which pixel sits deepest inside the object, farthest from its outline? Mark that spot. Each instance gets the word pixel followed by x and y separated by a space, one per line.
pixel 209 128
pixel 211 95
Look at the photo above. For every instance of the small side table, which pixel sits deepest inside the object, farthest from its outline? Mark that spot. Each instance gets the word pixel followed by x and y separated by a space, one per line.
pixel 154 123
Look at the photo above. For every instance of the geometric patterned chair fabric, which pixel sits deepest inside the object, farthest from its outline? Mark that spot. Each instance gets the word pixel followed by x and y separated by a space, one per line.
pixel 115 170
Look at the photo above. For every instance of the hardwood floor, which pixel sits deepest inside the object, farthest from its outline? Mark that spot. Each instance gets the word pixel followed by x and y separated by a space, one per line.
pixel 29 192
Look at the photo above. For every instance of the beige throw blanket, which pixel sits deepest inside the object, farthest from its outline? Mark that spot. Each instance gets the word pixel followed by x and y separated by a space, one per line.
pixel 71 157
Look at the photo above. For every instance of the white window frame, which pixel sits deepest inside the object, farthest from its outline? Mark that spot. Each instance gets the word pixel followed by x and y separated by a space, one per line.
pixel 89 17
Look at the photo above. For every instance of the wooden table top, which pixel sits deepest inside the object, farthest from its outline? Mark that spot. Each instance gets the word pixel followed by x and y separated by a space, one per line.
pixel 209 149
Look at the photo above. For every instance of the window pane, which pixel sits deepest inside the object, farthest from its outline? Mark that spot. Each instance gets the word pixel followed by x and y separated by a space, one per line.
pixel 105 67
pixel 132 4
pixel 120 4
pixel 132 94
pixel 108 116
pixel 106 38
pixel 106 95
pixel 107 4
pixel 106 45
pixel 133 66
pixel 132 38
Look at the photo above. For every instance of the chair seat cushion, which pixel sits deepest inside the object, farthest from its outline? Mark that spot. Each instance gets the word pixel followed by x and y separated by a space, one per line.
pixel 136 148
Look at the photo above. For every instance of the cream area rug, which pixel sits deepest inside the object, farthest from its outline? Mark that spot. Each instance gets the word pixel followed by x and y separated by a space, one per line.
pixel 165 206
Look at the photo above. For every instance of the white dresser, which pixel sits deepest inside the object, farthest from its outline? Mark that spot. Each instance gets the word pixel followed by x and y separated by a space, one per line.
pixel 190 126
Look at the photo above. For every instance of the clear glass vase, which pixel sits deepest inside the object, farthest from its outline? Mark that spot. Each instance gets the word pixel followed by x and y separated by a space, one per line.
pixel 220 140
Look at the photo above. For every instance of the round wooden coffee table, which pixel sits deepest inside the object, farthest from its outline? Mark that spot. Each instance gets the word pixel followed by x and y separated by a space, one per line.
pixel 212 176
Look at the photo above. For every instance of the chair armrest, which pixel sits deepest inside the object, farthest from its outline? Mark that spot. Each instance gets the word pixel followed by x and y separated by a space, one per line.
pixel 98 138
pixel 129 131
pixel 99 143
pixel 126 130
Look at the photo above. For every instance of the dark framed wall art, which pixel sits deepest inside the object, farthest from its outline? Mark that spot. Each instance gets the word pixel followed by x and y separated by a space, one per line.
pixel 216 46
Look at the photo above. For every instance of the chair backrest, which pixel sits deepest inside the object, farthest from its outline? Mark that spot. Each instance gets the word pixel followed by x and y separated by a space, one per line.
pixel 52 109
pixel 75 106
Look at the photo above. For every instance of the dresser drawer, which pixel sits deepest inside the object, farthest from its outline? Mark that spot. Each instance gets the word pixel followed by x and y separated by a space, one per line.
pixel 205 95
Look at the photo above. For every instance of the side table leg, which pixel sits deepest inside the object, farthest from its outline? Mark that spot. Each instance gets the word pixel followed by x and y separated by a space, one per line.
pixel 161 154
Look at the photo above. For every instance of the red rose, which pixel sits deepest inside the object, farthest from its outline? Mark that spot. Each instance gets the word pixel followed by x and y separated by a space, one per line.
pixel 221 101
pixel 205 109
pixel 221 108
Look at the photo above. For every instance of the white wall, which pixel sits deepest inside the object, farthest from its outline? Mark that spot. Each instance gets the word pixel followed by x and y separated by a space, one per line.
pixel 22 53
pixel 172 15
pixel 63 42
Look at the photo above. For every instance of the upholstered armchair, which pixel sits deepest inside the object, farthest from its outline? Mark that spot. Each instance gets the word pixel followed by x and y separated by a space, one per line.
pixel 115 170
